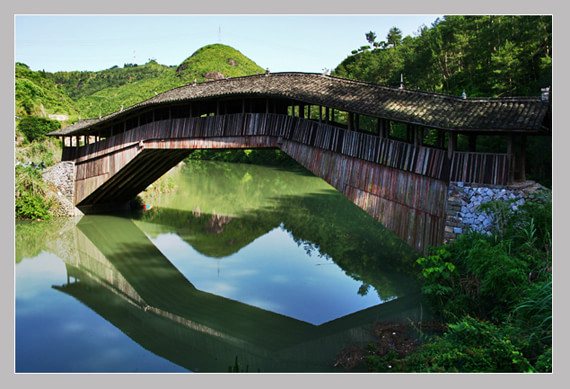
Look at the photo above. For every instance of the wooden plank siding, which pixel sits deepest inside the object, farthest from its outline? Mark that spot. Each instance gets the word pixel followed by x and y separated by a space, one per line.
pixel 481 168
pixel 401 185
pixel 410 205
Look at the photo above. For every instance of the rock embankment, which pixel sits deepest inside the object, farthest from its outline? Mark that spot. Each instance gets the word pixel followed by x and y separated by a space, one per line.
pixel 62 177
pixel 463 203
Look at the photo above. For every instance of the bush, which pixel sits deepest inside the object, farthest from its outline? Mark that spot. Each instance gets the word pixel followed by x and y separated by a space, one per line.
pixel 30 195
pixel 34 127
pixel 470 345
pixel 33 207
pixel 473 277
pixel 481 282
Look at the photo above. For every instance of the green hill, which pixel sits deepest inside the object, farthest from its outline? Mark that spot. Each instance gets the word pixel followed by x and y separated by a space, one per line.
pixel 90 94
pixel 215 61
pixel 39 95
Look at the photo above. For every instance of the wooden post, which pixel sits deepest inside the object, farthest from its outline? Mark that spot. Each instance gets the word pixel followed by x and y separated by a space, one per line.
pixel 510 159
pixel 327 115
pixel 451 144
pixel 473 142
pixel 320 114
pixel 350 121
pixel 519 157
pixel 418 135
pixel 383 128
pixel 379 127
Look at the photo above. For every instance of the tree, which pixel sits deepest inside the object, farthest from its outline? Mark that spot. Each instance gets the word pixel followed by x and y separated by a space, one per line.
pixel 394 36
pixel 34 127
pixel 371 37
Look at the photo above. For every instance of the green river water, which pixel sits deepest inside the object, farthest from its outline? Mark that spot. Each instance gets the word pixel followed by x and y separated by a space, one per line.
pixel 268 267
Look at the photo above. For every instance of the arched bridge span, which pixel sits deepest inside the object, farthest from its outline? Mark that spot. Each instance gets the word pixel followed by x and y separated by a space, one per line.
pixel 341 130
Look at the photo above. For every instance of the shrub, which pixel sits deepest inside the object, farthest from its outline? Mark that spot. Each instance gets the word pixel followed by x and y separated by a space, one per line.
pixel 33 207
pixel 30 195
pixel 474 277
pixel 470 345
pixel 34 127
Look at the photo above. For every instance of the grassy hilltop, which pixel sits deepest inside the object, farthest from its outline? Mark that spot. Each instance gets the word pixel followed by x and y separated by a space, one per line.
pixel 90 94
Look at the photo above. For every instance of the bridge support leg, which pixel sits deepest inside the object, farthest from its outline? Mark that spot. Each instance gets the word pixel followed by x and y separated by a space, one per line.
pixel 451 144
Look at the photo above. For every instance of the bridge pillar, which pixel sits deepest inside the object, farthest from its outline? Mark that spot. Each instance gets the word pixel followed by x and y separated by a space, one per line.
pixel 521 159
pixel 516 155
pixel 473 143
pixel 451 144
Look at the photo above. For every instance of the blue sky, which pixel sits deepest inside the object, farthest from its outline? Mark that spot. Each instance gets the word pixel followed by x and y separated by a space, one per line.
pixel 305 43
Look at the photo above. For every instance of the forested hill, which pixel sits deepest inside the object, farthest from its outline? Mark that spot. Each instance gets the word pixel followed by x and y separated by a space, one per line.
pixel 88 94
pixel 487 56
pixel 481 55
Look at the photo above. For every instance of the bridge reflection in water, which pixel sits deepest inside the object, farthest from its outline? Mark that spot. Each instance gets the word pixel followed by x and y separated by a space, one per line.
pixel 116 270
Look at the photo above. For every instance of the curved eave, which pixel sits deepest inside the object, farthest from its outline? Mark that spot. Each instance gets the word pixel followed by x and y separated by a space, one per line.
pixel 433 110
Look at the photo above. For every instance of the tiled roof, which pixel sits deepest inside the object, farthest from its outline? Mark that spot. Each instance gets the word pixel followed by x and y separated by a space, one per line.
pixel 433 110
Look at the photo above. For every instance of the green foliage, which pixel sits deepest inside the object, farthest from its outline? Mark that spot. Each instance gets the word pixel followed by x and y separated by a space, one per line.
pixel 47 150
pixel 90 94
pixel 266 157
pixel 29 179
pixel 473 277
pixel 33 207
pixel 31 202
pixel 486 276
pixel 470 345
pixel 485 55
pixel 496 294
pixel 34 127
pixel 394 36
pixel 37 94
pixel 216 58
pixel 532 318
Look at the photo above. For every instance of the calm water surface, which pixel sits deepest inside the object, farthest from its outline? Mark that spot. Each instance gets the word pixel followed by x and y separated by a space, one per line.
pixel 240 267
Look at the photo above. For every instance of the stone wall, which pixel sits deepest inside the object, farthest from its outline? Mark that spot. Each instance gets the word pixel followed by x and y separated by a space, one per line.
pixel 62 176
pixel 464 199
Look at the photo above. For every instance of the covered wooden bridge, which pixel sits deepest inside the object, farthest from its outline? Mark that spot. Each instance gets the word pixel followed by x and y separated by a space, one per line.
pixel 391 150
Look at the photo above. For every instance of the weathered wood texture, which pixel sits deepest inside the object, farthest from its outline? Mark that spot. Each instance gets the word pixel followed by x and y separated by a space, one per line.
pixel 401 185
pixel 480 168
pixel 408 204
